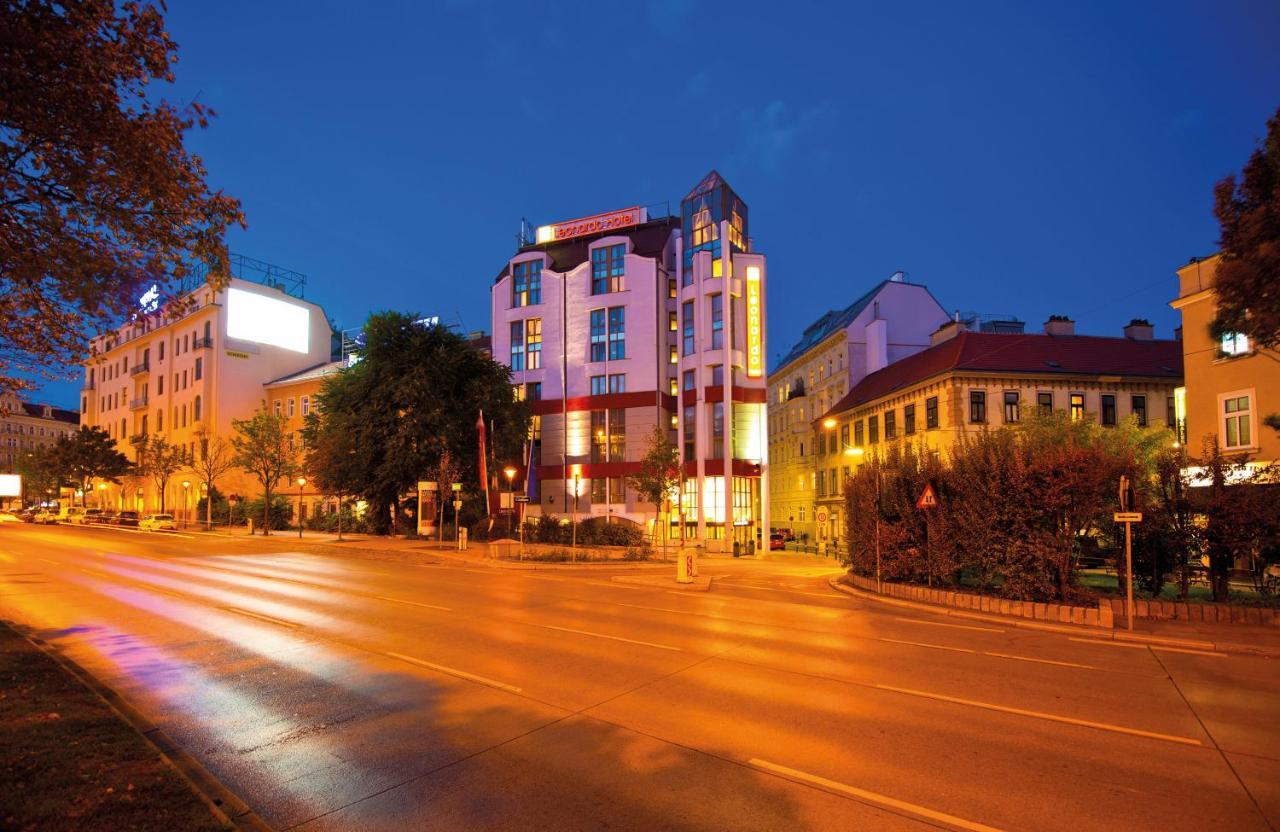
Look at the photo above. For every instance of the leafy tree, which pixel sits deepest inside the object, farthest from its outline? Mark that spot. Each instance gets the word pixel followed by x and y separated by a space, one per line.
pixel 414 395
pixel 332 459
pixel 213 457
pixel 659 473
pixel 43 472
pixel 263 447
pixel 159 460
pixel 1242 519
pixel 1248 276
pixel 99 200
pixel 89 454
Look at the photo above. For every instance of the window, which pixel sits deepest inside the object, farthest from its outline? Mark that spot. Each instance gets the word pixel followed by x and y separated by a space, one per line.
pixel 199 371
pixel 617 333
pixel 599 436
pixel 160 384
pixel 873 429
pixel 671 288
pixel 890 425
pixel 1077 406
pixel 717 322
pixel 1010 407
pixel 617 383
pixel 1044 401
pixel 909 419
pixel 195 410
pixel 306 405
pixel 533 391
pixel 526 283
pixel 674 357
pixel 277 406
pixel 820 483
pixel 1171 413
pixel 1237 418
pixel 617 434
pixel 160 348
pixel 690 431
pixel 1235 343
pixel 606 269
pixel 689 380
pixel 184 419
pixel 687 335
pixel 675 386
pixel 717 375
pixel 844 435
pixel 977 406
pixel 533 343
pixel 859 434
pixel 517 346
pixel 291 404
pixel 599 335
pixel 1138 406
pixel 598 385
pixel 159 420
pixel 184 379
pixel 931 412
pixel 717 430
pixel 673 321
pixel 1108 408
pixel 617 490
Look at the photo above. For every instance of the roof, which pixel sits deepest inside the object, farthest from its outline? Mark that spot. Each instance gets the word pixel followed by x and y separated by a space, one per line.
pixel 829 323
pixel 58 414
pixel 648 240
pixel 317 371
pixel 1034 354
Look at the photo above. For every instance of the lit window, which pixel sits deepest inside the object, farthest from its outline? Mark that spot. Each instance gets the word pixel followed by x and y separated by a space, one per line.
pixel 526 283
pixel 673 321
pixel 517 345
pixel 607 268
pixel 675 387
pixel 1237 422
pixel 533 343
pixel 1235 343
pixel 1077 406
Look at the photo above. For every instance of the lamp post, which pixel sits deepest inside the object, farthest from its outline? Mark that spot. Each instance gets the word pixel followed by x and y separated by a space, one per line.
pixel 510 471
pixel 577 483
pixel 186 499
pixel 301 482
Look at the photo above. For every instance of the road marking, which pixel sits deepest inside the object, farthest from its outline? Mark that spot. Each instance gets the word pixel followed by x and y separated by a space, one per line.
pixel 1084 723
pixel 611 638
pixel 453 671
pixel 952 626
pixel 411 603
pixel 873 797
pixel 1102 643
pixel 926 644
pixel 1188 650
pixel 1040 661
pixel 269 618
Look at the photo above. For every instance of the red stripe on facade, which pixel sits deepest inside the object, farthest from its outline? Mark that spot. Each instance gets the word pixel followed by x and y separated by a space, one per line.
pixel 579 404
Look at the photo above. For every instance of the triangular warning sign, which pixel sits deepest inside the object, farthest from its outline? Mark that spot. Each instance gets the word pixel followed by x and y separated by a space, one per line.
pixel 928 499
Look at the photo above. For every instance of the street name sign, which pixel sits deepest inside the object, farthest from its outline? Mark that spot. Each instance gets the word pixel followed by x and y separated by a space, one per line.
pixel 1127 517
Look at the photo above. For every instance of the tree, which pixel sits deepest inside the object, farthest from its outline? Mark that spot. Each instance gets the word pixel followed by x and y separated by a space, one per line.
pixel 42 472
pixel 659 473
pixel 159 460
pixel 89 454
pixel 1248 275
pixel 99 200
pixel 213 457
pixel 414 394
pixel 263 447
pixel 332 459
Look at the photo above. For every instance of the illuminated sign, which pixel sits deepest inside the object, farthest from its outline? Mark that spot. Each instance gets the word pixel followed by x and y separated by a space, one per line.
pixel 10 485
pixel 267 320
pixel 150 299
pixel 755 331
pixel 598 224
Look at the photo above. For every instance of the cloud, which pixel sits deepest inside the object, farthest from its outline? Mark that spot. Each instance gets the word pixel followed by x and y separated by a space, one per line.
pixel 771 135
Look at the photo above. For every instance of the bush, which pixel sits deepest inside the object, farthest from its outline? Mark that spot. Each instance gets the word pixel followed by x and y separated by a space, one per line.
pixel 328 522
pixel 593 532
pixel 281 513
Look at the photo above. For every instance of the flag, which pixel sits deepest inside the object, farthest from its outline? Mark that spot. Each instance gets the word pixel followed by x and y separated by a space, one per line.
pixel 484 471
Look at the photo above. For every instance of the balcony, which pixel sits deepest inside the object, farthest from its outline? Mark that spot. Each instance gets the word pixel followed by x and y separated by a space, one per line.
pixel 205 343
pixel 138 404
pixel 140 369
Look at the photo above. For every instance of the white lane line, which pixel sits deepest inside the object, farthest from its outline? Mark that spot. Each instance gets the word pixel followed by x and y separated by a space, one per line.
pixel 952 626
pixel 1187 650
pixel 1054 662
pixel 926 644
pixel 1102 643
pixel 453 671
pixel 872 797
pixel 411 603
pixel 261 617
pixel 1084 723
pixel 611 638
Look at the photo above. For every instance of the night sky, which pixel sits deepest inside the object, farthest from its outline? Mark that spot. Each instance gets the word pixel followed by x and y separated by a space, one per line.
pixel 1014 159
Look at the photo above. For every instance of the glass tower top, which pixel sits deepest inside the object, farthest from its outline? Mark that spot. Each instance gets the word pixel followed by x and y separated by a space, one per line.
pixel 701 213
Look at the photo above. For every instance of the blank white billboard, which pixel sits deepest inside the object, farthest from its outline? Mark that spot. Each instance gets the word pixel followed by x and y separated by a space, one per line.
pixel 267 320
pixel 10 485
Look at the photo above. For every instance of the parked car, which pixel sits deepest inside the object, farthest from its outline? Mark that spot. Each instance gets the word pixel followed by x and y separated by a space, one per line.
pixel 106 518
pixel 126 518
pixel 157 522
pixel 9 517
pixel 27 515
pixel 777 541
pixel 83 516
pixel 45 517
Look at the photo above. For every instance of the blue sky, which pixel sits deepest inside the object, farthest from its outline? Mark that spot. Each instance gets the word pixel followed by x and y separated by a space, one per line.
pixel 1022 158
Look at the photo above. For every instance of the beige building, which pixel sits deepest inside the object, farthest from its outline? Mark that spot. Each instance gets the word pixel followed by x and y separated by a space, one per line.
pixel 1231 385
pixel 192 367
pixel 888 323
pixel 970 381
pixel 25 426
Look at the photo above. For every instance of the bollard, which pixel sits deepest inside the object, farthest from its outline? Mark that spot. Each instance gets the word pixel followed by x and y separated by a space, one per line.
pixel 686 566
pixel 250 525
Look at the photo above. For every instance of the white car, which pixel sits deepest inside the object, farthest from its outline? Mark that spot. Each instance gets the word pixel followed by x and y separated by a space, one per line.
pixel 9 517
pixel 158 522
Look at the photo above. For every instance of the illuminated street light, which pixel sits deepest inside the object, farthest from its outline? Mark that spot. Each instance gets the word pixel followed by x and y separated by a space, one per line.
pixel 829 423
pixel 301 482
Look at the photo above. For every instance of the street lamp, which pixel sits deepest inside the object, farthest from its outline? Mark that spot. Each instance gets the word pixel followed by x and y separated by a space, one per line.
pixel 186 499
pixel 301 482
pixel 510 471
pixel 577 487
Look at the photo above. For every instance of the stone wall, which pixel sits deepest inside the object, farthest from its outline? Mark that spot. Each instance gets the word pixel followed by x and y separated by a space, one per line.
pixel 1100 615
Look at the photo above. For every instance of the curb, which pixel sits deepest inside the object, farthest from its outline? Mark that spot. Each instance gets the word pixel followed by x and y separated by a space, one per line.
pixel 1062 629
pixel 493 563
pixel 222 802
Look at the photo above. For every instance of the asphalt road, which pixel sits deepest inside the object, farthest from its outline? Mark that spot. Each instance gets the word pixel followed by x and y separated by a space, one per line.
pixel 333 691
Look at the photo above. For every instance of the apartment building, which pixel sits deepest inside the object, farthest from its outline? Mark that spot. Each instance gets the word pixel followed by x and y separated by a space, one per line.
pixel 28 426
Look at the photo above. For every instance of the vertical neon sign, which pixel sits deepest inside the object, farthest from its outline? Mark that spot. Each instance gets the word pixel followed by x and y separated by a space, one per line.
pixel 755 348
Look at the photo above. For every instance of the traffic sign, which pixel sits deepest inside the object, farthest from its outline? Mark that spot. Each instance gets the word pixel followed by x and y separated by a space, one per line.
pixel 821 515
pixel 1127 517
pixel 928 498
pixel 522 498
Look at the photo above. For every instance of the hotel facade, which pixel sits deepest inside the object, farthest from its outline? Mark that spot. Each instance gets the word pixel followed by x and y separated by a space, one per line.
pixel 619 323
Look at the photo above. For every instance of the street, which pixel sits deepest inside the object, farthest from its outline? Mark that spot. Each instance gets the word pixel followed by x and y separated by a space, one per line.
pixel 336 690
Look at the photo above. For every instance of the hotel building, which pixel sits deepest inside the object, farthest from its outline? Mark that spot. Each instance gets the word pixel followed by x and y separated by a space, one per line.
pixel 187 369
pixel 620 322
pixel 26 426
pixel 837 351
pixel 1231 385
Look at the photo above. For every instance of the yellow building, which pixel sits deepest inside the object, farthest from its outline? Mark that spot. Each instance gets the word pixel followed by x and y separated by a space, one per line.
pixel 188 369
pixel 1231 386
pixel 969 381
pixel 838 350
pixel 293 397
pixel 25 426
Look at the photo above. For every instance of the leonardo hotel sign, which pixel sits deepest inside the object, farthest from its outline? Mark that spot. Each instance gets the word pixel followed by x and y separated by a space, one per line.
pixel 755 340
pixel 598 224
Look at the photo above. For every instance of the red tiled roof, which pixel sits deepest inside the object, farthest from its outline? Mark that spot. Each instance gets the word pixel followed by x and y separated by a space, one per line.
pixel 1028 354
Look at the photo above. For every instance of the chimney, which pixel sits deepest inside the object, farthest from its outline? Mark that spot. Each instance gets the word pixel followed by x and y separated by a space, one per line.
pixel 1059 325
pixel 947 331
pixel 1140 329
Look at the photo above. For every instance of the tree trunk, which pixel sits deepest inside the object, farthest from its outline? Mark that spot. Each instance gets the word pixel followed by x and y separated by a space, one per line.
pixel 266 511
pixel 208 508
